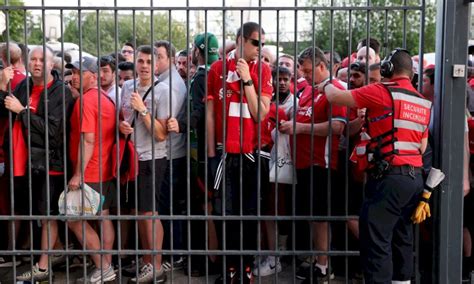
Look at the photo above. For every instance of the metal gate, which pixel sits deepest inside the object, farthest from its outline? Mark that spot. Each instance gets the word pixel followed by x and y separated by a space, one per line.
pixel 192 215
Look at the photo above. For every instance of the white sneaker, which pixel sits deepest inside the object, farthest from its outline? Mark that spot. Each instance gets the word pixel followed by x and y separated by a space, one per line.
pixel 99 276
pixel 146 275
pixel 34 274
pixel 269 266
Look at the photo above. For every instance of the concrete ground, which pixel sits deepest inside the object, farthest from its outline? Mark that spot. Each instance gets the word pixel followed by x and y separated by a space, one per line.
pixel 286 276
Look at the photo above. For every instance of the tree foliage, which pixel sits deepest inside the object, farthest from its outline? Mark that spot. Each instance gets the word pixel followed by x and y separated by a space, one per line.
pixel 390 36
pixel 15 22
pixel 107 31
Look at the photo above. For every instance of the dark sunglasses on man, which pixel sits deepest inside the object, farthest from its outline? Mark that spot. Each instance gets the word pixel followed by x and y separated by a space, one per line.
pixel 255 42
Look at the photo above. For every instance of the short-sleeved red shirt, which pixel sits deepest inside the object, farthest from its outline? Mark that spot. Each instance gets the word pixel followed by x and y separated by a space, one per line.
pixel 90 124
pixel 215 89
pixel 376 98
pixel 321 108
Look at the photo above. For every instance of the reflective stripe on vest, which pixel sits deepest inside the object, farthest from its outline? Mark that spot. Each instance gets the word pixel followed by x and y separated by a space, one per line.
pixel 411 98
pixel 400 123
pixel 408 146
pixel 360 150
pixel 400 133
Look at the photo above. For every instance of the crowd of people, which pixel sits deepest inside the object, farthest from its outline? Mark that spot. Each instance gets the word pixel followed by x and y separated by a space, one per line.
pixel 349 125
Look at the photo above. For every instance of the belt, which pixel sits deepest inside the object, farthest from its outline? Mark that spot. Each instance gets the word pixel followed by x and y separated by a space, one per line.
pixel 404 170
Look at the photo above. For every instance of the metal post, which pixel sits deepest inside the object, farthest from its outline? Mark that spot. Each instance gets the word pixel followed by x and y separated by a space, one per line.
pixel 451 48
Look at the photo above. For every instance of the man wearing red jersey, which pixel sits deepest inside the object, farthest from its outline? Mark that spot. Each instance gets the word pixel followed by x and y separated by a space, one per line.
pixel 313 124
pixel 91 161
pixel 244 108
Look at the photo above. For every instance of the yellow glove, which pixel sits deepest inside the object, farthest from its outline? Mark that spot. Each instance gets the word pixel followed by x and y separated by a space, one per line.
pixel 422 211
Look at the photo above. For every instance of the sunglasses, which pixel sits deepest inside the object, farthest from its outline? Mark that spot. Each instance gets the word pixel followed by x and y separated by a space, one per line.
pixel 255 42
pixel 127 51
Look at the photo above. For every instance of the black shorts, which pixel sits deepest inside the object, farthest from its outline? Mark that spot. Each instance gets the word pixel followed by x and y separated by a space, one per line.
pixel 39 194
pixel 319 191
pixel 108 191
pixel 127 196
pixel 468 215
pixel 145 196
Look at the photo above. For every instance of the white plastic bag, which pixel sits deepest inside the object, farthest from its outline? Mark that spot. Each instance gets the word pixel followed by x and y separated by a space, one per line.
pixel 92 202
pixel 281 160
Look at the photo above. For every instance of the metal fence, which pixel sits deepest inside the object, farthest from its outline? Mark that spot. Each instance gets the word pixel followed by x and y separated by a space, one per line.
pixel 195 227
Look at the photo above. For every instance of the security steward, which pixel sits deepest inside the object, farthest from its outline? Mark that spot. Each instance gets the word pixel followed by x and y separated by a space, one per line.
pixel 397 119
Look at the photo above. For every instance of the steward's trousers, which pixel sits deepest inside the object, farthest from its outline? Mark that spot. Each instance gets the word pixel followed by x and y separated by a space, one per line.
pixel 386 231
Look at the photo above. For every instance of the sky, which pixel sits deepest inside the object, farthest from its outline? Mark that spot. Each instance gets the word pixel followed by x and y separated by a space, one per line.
pixel 268 18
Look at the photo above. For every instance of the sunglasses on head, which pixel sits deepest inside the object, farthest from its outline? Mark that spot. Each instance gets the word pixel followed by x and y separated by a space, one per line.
pixel 357 66
pixel 255 42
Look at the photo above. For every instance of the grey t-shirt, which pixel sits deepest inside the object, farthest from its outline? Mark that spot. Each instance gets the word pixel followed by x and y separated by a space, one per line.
pixel 177 148
pixel 144 139
pixel 111 94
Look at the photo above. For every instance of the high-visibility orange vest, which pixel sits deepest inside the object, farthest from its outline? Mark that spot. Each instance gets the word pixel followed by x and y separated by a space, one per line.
pixel 395 132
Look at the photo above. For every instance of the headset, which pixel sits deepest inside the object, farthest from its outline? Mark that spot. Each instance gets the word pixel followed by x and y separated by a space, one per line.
pixel 386 66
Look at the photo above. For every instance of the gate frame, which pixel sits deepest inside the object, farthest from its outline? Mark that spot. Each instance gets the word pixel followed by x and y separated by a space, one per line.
pixel 452 31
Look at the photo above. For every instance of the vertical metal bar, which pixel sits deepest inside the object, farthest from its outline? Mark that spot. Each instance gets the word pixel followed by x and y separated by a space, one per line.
pixel 99 106
pixel 81 143
pixel 224 148
pixel 153 166
pixel 10 146
pixel 293 153
pixel 171 187
pixel 136 161
pixel 404 24
pixel 259 130
pixel 65 156
pixel 386 33
pixel 420 88
pixel 30 192
pixel 206 146
pixel 451 48
pixel 346 158
pixel 117 149
pixel 277 133
pixel 330 146
pixel 241 123
pixel 65 148
pixel 311 151
pixel 46 139
pixel 171 158
pixel 367 44
pixel 421 45
pixel 188 146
